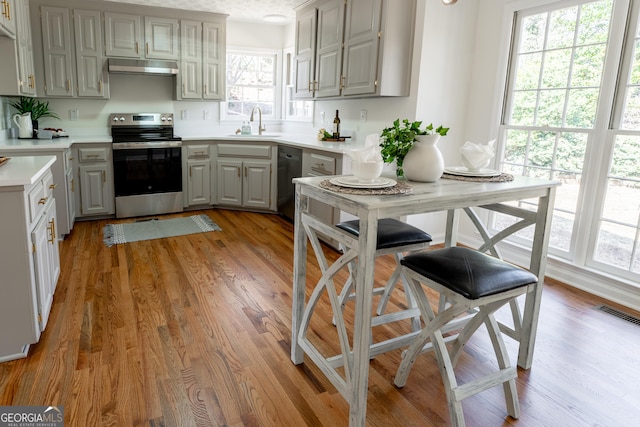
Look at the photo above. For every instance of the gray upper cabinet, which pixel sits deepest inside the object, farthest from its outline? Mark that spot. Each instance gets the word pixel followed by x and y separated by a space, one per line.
pixel 161 38
pixel 124 36
pixel 57 51
pixel 92 74
pixel 304 62
pixel 202 60
pixel 72 45
pixel 7 19
pixel 354 48
pixel 16 67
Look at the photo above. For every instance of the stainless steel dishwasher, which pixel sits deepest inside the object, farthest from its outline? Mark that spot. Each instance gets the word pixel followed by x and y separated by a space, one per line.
pixel 289 167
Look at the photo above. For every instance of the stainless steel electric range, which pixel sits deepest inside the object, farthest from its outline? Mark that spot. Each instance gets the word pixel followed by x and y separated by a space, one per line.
pixel 147 164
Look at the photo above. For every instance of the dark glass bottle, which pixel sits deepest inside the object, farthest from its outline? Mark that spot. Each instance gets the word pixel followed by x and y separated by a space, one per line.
pixel 336 126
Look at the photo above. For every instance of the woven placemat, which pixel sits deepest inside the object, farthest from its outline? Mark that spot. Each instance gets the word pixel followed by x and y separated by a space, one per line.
pixel 401 187
pixel 503 177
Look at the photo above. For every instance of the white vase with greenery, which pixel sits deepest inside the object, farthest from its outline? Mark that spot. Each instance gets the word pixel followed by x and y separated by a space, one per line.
pixel 424 161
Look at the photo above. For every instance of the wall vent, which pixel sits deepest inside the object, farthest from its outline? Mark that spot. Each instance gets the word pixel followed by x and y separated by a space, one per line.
pixel 619 314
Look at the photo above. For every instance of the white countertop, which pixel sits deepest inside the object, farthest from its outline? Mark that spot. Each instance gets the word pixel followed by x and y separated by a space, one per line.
pixel 21 171
pixel 15 144
pixel 301 141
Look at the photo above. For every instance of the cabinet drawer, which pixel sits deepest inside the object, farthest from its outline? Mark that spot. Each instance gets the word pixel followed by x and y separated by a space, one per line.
pixel 321 165
pixel 37 199
pixel 239 150
pixel 197 151
pixel 93 154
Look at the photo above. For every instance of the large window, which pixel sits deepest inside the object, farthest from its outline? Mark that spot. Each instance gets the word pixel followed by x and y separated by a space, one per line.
pixel 561 121
pixel 252 80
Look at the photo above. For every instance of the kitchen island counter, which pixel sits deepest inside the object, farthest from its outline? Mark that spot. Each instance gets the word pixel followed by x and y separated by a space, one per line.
pixel 23 171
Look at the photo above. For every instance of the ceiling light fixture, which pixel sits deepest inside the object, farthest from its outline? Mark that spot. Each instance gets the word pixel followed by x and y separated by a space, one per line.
pixel 274 18
pixel 448 2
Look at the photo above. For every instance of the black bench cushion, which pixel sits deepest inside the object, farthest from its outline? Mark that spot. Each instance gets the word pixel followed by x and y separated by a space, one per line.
pixel 470 273
pixel 391 232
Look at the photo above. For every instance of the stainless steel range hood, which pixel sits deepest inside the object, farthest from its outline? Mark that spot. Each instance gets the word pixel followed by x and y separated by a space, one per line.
pixel 143 66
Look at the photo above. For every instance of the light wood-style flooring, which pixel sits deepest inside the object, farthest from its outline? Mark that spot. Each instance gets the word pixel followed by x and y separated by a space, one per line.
pixel 195 331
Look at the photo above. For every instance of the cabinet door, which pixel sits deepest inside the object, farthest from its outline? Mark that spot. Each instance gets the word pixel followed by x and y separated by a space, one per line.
pixel 161 38
pixel 25 49
pixel 199 182
pixel 95 194
pixel 329 48
pixel 71 197
pixel 213 61
pixel 8 19
pixel 361 43
pixel 305 54
pixel 229 182
pixel 89 58
pixel 123 35
pixel 256 188
pixel 41 262
pixel 56 44
pixel 191 62
pixel 53 251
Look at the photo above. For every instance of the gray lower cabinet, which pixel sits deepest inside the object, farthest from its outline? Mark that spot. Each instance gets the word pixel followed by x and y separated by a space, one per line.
pixel 245 175
pixel 196 174
pixel 30 264
pixel 95 175
pixel 63 185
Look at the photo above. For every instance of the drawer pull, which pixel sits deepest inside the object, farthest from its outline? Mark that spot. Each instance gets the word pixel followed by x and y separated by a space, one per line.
pixel 43 201
pixel 72 185
pixel 53 186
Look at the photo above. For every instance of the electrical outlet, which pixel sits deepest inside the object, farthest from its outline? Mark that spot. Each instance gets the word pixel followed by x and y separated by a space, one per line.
pixel 363 116
pixel 74 115
pixel 184 114
pixel 205 115
pixel 321 117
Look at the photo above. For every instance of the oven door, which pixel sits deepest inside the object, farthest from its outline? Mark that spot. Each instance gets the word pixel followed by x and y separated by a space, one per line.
pixel 147 168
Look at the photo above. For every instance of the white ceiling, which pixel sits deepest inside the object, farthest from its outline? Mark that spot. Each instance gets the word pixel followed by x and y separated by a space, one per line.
pixel 240 10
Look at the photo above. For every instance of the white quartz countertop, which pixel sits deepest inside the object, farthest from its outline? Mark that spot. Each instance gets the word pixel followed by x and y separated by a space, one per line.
pixel 301 141
pixel 35 145
pixel 21 171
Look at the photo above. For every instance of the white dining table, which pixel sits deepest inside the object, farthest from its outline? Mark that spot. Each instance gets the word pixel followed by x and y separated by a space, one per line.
pixel 349 370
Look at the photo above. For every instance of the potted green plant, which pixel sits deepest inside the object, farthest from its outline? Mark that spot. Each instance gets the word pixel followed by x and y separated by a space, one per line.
pixel 38 109
pixel 398 139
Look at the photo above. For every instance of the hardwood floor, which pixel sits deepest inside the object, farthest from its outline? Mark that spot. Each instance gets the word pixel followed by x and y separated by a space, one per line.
pixel 195 330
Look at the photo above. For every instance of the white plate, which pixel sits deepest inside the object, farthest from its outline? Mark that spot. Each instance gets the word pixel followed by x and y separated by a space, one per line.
pixel 463 171
pixel 353 182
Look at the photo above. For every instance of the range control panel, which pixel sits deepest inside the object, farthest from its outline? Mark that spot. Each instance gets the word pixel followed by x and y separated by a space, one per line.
pixel 141 119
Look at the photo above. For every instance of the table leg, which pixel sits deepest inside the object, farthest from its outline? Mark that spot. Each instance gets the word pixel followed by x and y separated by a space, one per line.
pixel 299 275
pixel 537 267
pixel 362 327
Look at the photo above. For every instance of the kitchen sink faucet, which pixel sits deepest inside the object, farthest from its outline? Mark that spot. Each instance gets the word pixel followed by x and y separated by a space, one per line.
pixel 260 127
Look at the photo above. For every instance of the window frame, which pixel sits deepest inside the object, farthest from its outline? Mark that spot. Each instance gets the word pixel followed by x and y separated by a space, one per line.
pixel 608 117
pixel 278 87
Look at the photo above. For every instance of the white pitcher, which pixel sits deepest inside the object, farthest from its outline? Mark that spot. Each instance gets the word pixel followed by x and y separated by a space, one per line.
pixel 25 126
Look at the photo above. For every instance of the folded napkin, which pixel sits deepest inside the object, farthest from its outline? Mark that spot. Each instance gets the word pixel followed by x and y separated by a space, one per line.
pixel 370 153
pixel 477 156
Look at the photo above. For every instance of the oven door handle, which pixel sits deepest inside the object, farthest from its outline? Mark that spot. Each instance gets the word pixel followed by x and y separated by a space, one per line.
pixel 145 144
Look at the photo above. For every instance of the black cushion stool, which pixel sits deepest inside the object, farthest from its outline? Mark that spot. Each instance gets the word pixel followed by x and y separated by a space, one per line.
pixel 394 237
pixel 471 282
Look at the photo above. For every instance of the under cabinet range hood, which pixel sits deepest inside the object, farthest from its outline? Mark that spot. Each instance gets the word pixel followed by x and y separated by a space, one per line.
pixel 143 66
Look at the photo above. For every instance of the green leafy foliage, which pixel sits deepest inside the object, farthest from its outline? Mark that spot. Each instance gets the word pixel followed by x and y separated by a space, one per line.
pixel 37 108
pixel 398 139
